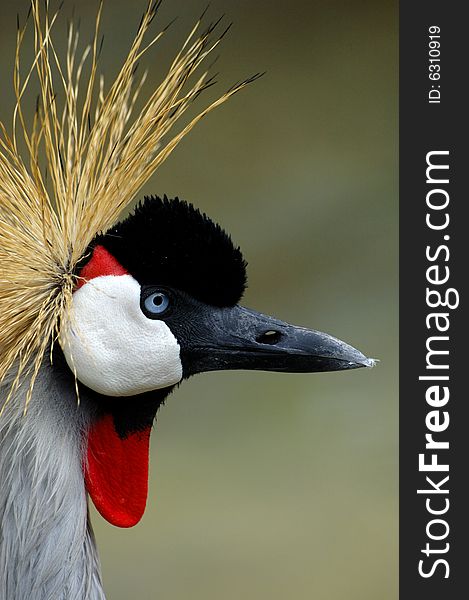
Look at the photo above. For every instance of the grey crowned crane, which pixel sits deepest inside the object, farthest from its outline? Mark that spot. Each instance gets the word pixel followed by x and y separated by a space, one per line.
pixel 100 321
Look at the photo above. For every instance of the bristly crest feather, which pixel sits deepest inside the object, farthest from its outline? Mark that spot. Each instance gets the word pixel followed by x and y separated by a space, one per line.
pixel 98 151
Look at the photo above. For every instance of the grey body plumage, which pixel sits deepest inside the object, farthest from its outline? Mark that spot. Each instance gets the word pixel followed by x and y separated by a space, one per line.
pixel 47 548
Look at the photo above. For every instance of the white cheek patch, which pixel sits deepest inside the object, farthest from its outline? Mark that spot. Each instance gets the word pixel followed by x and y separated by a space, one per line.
pixel 113 348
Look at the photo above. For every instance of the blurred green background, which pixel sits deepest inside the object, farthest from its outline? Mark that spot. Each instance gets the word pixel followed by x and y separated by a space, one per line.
pixel 263 485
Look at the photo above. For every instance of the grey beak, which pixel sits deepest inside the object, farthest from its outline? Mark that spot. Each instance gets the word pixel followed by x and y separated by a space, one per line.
pixel 240 338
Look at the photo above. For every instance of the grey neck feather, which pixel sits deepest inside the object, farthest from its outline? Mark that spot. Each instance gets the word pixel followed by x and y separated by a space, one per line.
pixel 47 548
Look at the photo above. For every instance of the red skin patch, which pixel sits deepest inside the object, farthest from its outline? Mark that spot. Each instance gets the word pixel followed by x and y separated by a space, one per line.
pixel 101 263
pixel 116 469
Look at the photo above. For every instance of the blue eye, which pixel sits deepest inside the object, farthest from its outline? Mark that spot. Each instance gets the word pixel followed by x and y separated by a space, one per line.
pixel 156 303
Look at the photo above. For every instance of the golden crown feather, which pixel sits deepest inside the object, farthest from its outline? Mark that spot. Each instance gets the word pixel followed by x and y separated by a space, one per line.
pixel 98 151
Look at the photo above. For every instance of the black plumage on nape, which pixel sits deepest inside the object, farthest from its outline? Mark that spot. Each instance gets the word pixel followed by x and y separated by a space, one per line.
pixel 171 243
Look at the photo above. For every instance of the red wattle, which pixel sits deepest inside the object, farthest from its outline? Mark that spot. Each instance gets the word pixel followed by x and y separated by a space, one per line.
pixel 116 473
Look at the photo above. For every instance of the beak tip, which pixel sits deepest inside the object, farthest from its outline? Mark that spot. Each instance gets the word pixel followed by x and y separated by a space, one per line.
pixel 369 363
pixel 351 357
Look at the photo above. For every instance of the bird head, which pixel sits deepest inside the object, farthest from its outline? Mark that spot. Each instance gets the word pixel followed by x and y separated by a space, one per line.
pixel 157 301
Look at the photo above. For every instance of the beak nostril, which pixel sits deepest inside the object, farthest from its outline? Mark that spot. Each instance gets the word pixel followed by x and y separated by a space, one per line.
pixel 269 337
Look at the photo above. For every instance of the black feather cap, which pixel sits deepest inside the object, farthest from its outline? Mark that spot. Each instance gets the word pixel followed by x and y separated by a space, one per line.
pixel 169 242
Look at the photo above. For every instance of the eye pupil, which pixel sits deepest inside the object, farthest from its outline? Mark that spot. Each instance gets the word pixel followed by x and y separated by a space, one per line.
pixel 155 304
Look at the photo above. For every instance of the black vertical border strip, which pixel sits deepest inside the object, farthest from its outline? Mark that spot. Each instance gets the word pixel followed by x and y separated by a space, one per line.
pixel 425 127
